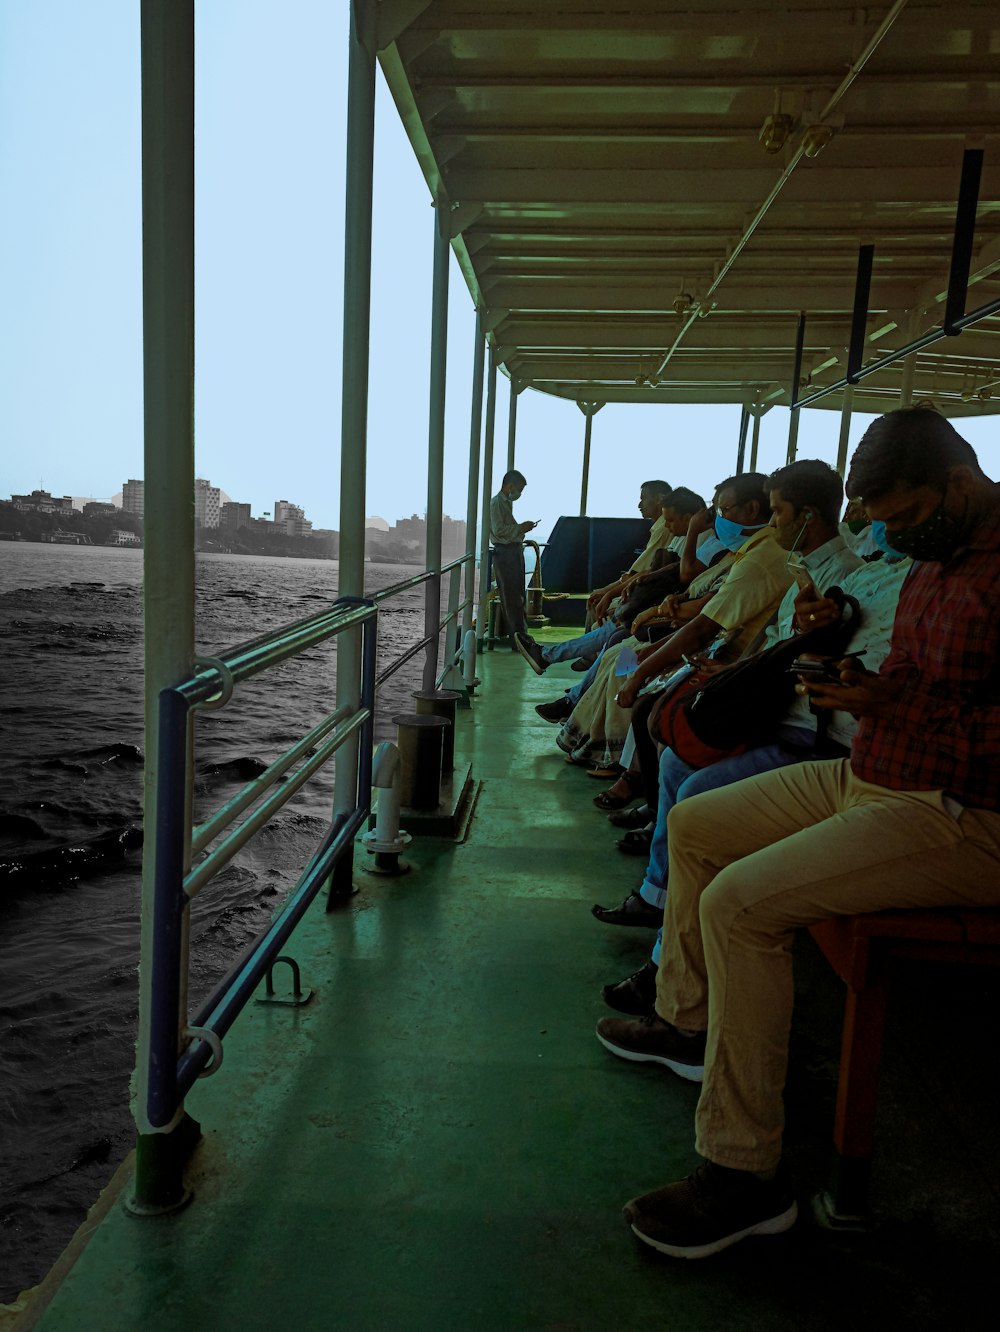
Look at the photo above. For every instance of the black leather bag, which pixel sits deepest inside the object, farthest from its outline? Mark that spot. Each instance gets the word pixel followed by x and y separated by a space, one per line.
pixel 741 707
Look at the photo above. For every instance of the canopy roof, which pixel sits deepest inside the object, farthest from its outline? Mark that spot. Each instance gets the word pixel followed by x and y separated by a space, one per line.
pixel 602 165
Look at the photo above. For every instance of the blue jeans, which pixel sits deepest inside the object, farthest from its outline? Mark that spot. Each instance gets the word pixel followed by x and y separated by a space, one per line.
pixel 590 674
pixel 587 645
pixel 678 781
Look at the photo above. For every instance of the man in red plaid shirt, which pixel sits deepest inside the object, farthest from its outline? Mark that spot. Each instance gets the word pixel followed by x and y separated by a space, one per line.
pixel 911 819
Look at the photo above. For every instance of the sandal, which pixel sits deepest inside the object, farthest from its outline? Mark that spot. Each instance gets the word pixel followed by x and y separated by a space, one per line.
pixel 631 819
pixel 636 843
pixel 614 799
pixel 605 774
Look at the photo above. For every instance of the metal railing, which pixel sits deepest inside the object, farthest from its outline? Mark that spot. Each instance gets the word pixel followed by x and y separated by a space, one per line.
pixel 455 609
pixel 181 1048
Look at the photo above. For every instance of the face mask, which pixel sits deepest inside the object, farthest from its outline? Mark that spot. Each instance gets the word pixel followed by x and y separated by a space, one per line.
pixel 880 539
pixel 857 525
pixel 732 535
pixel 935 539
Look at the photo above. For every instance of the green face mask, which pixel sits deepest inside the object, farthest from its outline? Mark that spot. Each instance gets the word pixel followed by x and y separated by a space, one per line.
pixel 935 539
pixel 857 526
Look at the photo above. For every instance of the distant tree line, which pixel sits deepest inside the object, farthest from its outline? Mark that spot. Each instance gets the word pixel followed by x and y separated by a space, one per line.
pixel 40 526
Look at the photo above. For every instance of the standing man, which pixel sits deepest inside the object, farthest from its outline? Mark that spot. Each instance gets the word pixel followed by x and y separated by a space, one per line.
pixel 508 553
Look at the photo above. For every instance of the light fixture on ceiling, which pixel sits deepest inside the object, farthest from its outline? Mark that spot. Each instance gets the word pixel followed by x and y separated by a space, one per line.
pixel 683 302
pixel 774 132
pixel 815 139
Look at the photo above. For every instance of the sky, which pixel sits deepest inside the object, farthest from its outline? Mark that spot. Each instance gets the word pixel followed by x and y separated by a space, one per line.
pixel 270 123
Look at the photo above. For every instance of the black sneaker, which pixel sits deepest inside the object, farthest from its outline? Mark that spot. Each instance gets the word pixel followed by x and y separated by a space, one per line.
pixel 711 1209
pixel 556 711
pixel 651 1040
pixel 633 911
pixel 531 653
pixel 636 994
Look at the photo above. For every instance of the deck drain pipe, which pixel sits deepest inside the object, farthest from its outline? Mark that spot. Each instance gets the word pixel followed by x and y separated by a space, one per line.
pixel 469 661
pixel 387 840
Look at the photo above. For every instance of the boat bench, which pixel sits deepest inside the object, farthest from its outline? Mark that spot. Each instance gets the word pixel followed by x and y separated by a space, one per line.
pixel 861 949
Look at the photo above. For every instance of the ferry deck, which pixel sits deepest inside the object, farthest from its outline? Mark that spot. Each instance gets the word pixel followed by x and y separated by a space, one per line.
pixel 437 1140
pixel 659 203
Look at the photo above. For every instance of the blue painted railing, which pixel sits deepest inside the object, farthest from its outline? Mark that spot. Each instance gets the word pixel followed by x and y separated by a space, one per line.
pixel 180 1048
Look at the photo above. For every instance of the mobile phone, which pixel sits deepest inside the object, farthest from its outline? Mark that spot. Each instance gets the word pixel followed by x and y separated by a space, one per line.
pixel 820 668
pixel 799 572
pixel 802 576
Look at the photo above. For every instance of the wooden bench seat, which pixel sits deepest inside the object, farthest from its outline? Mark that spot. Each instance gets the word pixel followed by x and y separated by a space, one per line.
pixel 861 949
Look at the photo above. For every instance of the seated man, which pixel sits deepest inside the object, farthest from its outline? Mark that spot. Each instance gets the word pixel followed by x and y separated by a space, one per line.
pixel 876 588
pixel 911 820
pixel 653 497
pixel 755 581
pixel 729 619
pixel 805 501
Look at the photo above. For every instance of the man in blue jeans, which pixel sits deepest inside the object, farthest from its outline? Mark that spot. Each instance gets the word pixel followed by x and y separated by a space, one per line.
pixel 666 538
pixel 805 501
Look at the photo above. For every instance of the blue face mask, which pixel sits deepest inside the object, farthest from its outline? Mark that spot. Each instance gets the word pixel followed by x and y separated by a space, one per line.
pixel 732 535
pixel 878 536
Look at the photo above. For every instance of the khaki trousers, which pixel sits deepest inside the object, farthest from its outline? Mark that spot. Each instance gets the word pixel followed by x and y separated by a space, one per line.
pixel 749 864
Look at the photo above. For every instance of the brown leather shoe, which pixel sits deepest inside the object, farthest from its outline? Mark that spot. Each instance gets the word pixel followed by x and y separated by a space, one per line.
pixel 710 1210
pixel 651 1040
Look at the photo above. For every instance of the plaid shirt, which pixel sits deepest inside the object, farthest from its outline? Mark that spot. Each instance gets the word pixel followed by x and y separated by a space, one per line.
pixel 944 734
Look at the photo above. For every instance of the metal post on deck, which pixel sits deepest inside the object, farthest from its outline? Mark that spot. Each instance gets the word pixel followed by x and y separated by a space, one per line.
pixel 482 612
pixel 354 399
pixel 590 410
pixel 475 442
pixel 512 425
pixel 741 448
pixel 168 567
pixel 435 436
pixel 845 429
pixel 909 373
pixel 793 416
pixel 755 440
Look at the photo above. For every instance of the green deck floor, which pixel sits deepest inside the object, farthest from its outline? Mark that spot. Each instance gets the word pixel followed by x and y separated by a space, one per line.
pixel 438 1141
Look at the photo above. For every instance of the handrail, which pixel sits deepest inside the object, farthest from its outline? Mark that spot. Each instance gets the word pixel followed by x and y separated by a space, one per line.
pixel 419 579
pixel 182 1049
pixel 172 1069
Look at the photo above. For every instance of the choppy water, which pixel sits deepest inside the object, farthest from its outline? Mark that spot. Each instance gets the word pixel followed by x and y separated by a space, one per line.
pixel 70 836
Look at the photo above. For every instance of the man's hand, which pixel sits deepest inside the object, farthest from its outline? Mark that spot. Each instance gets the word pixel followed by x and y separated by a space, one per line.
pixel 670 607
pixel 526 527
pixel 646 651
pixel 629 692
pixel 600 611
pixel 645 617
pixel 813 611
pixel 706 667
pixel 861 693
pixel 701 521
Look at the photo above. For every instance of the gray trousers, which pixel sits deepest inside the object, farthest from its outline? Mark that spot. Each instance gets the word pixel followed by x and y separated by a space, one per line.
pixel 508 569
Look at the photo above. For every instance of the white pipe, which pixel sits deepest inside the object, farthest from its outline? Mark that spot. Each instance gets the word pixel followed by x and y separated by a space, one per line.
pixel 469 662
pixel 387 837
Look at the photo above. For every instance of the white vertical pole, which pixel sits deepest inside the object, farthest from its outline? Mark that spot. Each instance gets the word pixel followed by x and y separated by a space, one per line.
pixel 435 437
pixel 354 401
pixel 168 559
pixel 475 440
pixel 484 536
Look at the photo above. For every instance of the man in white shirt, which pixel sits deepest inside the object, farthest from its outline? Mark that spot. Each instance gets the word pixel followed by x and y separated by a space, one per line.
pixel 508 552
